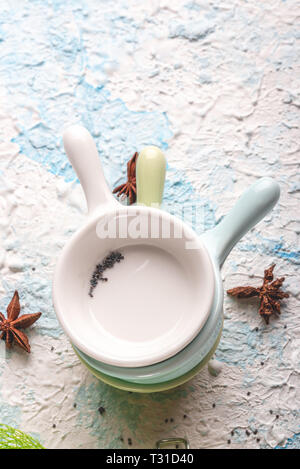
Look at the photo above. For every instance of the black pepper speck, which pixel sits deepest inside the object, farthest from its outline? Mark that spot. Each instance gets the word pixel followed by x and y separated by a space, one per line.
pixel 107 263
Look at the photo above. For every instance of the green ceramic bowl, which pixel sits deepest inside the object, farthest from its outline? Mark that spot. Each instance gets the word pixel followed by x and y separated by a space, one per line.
pixel 146 388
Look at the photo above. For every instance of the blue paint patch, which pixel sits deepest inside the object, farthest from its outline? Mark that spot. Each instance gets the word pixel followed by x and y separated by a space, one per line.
pixel 118 133
pixel 240 345
pixel 292 443
pixel 204 79
pixel 36 294
pixel 193 31
pixel 182 201
pixel 123 408
pixel 271 247
pixel 35 71
pixel 10 415
pixel 194 6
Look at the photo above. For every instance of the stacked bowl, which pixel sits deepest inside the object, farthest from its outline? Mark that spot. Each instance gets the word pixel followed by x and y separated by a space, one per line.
pixel 158 318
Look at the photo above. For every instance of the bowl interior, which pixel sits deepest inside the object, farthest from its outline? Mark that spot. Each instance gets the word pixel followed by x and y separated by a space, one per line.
pixel 178 364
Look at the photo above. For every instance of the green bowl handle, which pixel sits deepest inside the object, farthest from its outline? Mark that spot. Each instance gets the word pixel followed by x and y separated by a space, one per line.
pixel 150 176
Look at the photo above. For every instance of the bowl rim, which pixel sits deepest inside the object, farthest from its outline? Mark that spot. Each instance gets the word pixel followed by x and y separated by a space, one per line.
pixel 57 289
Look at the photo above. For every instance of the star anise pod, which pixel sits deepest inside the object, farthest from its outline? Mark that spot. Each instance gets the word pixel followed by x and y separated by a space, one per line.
pixel 269 294
pixel 11 325
pixel 128 189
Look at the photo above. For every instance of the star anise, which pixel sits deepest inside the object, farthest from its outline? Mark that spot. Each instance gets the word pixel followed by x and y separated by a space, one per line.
pixel 269 294
pixel 128 189
pixel 11 326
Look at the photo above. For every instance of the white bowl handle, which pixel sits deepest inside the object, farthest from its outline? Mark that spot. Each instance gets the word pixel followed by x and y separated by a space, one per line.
pixel 83 155
pixel 251 207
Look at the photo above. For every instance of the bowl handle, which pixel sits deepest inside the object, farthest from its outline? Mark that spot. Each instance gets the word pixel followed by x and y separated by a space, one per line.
pixel 83 155
pixel 150 176
pixel 251 207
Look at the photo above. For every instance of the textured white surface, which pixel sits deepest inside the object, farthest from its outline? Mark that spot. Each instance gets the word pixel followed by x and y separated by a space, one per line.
pixel 217 86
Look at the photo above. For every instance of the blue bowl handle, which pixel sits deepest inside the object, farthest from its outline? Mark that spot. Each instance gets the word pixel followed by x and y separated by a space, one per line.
pixel 251 207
